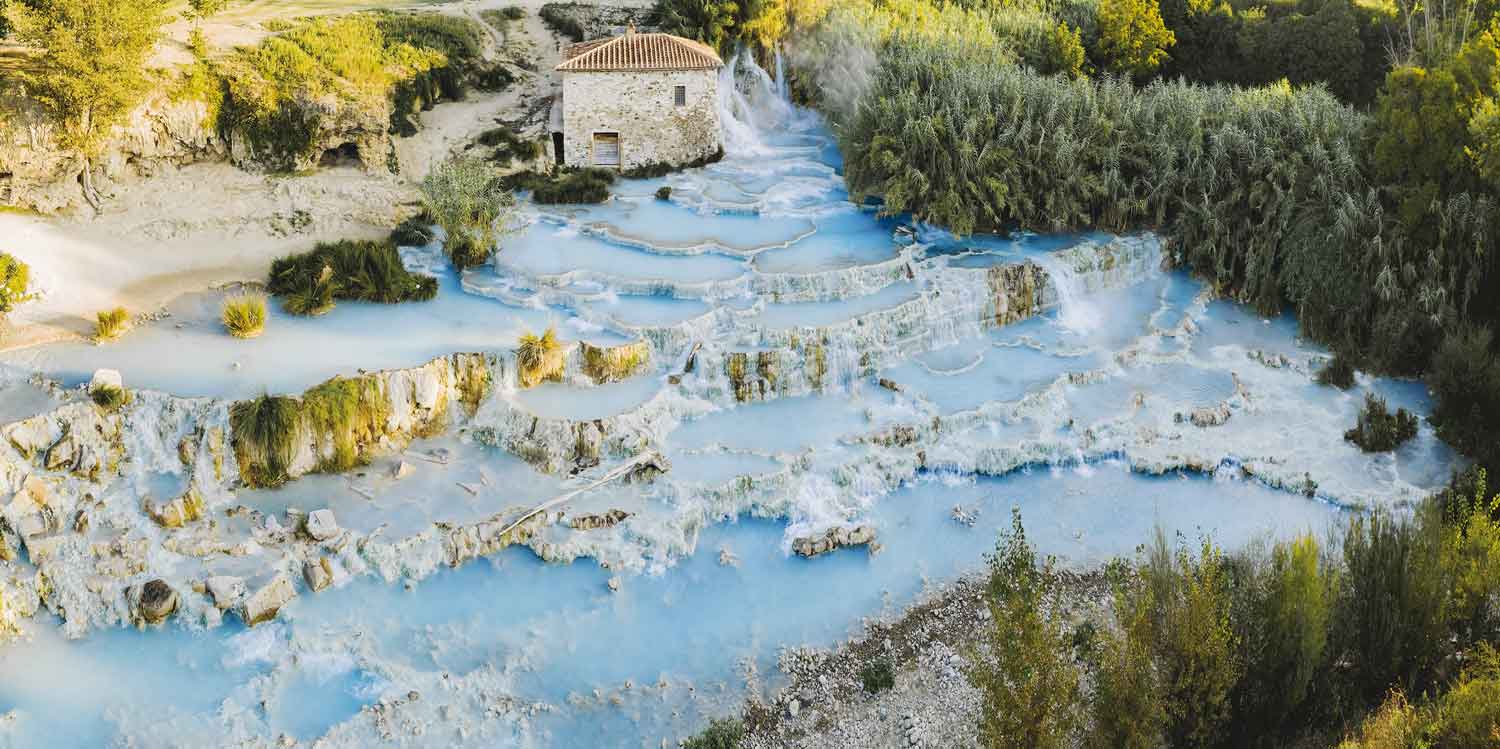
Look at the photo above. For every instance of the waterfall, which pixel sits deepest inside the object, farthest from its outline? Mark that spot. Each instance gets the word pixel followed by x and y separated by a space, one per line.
pixel 751 104
pixel 1075 311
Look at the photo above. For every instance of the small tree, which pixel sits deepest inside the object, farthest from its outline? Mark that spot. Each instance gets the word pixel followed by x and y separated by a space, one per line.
pixel 95 66
pixel 1132 37
pixel 465 196
pixel 1029 680
pixel 15 277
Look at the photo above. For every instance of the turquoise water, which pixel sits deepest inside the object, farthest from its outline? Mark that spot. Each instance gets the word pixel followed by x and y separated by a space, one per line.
pixel 1067 416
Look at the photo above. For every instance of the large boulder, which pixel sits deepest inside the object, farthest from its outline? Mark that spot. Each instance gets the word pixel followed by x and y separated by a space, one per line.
pixel 155 602
pixel 264 604
pixel 834 538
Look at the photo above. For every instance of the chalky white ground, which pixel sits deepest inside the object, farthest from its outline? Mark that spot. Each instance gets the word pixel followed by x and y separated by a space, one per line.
pixel 1135 400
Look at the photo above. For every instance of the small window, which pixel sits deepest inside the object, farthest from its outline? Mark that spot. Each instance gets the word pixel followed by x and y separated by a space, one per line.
pixel 679 96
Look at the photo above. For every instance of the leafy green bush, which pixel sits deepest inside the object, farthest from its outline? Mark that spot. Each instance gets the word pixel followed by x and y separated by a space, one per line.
pixel 1338 372
pixel 15 278
pixel 559 18
pixel 111 324
pixel 365 271
pixel 722 733
pixel 1378 430
pixel 1465 382
pixel 263 433
pixel 244 316
pixel 513 12
pixel 877 676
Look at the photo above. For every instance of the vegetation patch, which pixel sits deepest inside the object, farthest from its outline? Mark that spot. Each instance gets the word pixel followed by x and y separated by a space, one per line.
pixel 1338 372
pixel 244 316
pixel 413 232
pixel 664 193
pixel 342 414
pixel 109 325
pixel 614 363
pixel 469 199
pixel 108 397
pixel 565 186
pixel 562 19
pixel 1378 430
pixel 508 147
pixel 362 270
pixel 15 282
pixel 539 358
pixel 661 169
pixel 264 433
pixel 877 676
pixel 721 733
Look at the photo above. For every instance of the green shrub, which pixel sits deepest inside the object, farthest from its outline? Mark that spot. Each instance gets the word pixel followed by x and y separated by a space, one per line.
pixel 877 676
pixel 263 433
pixel 661 169
pixel 1338 372
pixel 15 278
pixel 513 12
pixel 413 232
pixel 244 316
pixel 566 186
pixel 508 146
pixel 501 18
pixel 109 397
pixel 664 193
pixel 559 18
pixel 1465 382
pixel 111 324
pixel 467 197
pixel 1378 430
pixel 722 733
pixel 365 271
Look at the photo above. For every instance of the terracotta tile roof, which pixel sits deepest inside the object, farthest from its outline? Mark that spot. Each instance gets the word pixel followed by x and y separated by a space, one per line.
pixel 633 51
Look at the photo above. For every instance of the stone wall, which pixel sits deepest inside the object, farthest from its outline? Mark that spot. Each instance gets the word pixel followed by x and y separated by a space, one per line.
pixel 639 106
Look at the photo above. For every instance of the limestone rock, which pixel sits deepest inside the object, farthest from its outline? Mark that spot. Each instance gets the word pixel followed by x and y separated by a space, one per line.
pixel 179 512
pixel 226 591
pixel 156 602
pixel 588 522
pixel 63 455
pixel 401 470
pixel 318 574
pixel 30 512
pixel 263 605
pixel 321 525
pixel 833 538
pixel 1210 417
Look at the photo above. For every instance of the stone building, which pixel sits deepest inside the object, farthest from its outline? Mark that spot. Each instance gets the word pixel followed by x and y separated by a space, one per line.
pixel 637 99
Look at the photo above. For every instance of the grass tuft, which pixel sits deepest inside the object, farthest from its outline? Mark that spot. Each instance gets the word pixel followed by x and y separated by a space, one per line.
pixel 264 436
pixel 539 358
pixel 111 324
pixel 109 397
pixel 244 316
pixel 877 676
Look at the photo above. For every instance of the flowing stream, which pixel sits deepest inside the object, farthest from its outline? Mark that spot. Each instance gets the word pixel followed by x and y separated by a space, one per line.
pixel 812 367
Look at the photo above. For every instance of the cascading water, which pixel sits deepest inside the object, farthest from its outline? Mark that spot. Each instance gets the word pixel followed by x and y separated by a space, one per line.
pixel 1076 311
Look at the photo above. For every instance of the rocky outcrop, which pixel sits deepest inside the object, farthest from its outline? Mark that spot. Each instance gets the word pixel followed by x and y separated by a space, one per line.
pixel 263 605
pixel 613 363
pixel 1015 291
pixel 591 521
pixel 834 538
pixel 153 602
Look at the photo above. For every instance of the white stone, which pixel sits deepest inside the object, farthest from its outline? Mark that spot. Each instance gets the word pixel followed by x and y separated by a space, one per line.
pixel 321 525
pixel 110 377
pixel 226 591
pixel 266 602
pixel 401 470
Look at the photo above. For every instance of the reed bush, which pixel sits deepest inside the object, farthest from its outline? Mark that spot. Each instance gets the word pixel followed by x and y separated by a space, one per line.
pixel 1378 430
pixel 559 17
pixel 469 199
pixel 244 316
pixel 111 324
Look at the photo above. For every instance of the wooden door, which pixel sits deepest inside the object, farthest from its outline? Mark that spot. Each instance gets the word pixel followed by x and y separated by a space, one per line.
pixel 607 149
